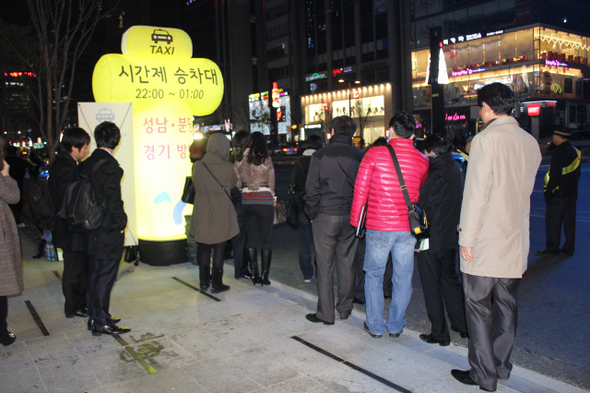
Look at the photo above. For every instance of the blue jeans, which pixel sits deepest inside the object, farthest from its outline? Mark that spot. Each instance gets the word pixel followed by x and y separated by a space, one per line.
pixel 305 240
pixel 379 245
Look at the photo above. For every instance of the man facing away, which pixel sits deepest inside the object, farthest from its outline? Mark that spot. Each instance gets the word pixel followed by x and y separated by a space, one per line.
pixel 494 234
pixel 104 245
pixel 387 223
pixel 328 197
pixel 297 181
pixel 561 194
pixel 440 198
pixel 64 171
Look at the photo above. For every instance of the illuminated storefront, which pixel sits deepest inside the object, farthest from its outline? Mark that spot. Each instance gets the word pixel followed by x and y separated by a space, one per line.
pixel 369 106
pixel 541 65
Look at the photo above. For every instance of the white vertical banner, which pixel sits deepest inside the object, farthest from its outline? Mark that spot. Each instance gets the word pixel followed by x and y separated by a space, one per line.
pixel 91 114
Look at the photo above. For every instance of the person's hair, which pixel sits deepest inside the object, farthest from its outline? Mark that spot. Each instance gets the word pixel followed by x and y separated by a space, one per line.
pixel 11 150
pixel 257 150
pixel 240 139
pixel 1 153
pixel 314 141
pixel 344 125
pixel 381 141
pixel 403 124
pixel 107 135
pixel 499 97
pixel 74 137
pixel 438 144
pixel 198 149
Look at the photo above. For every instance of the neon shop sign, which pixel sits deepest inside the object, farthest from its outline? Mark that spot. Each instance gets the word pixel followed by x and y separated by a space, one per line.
pixel 466 71
pixel 555 63
pixel 455 117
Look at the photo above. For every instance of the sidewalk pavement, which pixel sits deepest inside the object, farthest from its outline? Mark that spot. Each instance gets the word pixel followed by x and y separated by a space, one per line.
pixel 249 339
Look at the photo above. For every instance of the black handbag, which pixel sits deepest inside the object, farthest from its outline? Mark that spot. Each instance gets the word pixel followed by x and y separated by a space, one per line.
pixel 132 252
pixel 188 194
pixel 292 208
pixel 417 216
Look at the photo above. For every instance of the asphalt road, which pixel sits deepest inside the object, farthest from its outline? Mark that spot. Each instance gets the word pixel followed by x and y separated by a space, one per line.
pixel 553 334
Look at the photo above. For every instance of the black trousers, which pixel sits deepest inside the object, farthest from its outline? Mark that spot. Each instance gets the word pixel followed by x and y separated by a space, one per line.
pixel 561 211
pixel 440 281
pixel 74 281
pixel 3 315
pixel 102 274
pixel 490 305
pixel 239 243
pixel 335 248
pixel 259 222
pixel 204 255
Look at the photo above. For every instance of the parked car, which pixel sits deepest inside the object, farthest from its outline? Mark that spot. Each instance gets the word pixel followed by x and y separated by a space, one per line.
pixel 580 139
pixel 283 150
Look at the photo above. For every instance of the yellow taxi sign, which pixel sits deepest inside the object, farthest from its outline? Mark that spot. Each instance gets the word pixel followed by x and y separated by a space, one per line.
pixel 156 41
pixel 145 80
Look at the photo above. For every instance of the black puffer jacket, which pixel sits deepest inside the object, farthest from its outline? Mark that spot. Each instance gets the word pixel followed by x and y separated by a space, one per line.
pixel 441 197
pixel 330 182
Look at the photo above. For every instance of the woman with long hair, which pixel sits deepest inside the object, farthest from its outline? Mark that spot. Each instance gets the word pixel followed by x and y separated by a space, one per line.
pixel 256 179
pixel 11 279
pixel 214 220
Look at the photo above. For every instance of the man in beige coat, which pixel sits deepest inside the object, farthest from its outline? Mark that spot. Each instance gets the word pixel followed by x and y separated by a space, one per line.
pixel 494 235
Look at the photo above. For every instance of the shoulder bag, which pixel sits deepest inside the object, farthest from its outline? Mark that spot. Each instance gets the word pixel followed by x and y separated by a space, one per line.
pixel 417 216
pixel 188 194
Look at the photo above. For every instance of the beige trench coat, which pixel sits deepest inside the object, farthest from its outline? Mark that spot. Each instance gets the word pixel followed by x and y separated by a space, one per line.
pixel 503 163
pixel 11 270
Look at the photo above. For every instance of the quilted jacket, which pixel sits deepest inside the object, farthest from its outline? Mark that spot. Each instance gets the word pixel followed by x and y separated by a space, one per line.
pixel 377 182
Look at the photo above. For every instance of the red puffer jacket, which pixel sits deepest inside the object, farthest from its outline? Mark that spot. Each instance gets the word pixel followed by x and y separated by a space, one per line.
pixel 377 181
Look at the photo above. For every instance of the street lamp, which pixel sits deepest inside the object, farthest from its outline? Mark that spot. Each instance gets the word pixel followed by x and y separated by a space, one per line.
pixel 350 81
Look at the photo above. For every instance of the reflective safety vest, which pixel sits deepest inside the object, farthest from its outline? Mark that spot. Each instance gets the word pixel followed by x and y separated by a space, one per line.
pixel 565 170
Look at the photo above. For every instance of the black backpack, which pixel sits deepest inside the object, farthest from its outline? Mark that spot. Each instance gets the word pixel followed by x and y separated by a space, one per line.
pixel 80 206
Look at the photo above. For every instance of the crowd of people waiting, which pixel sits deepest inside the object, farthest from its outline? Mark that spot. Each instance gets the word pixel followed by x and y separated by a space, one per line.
pixel 480 210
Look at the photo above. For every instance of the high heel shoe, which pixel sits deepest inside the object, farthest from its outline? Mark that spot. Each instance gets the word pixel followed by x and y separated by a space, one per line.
pixel 265 256
pixel 253 262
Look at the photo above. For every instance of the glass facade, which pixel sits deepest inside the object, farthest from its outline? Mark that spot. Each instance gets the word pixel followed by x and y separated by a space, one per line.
pixel 538 63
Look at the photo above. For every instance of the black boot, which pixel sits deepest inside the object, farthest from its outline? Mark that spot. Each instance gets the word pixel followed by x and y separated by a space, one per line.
pixel 204 261
pixel 265 256
pixel 204 277
pixel 253 262
pixel 218 285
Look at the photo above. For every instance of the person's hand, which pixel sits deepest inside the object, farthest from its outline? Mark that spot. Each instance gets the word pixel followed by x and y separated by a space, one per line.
pixel 5 169
pixel 466 254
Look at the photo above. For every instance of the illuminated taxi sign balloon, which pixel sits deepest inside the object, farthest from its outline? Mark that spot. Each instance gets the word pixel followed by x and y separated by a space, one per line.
pixel 145 80
pixel 149 40
pixel 145 75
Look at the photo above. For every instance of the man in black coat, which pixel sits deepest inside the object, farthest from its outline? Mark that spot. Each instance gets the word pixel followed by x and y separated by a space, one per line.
pixel 328 199
pixel 64 171
pixel 441 197
pixel 298 180
pixel 561 194
pixel 104 245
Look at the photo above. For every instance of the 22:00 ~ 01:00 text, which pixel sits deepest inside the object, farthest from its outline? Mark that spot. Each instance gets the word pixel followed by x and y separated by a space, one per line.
pixel 159 93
